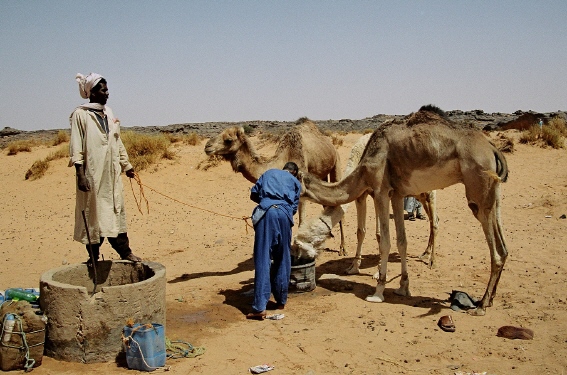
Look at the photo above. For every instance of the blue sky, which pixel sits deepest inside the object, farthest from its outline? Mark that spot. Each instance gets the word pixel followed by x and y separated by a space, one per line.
pixel 170 62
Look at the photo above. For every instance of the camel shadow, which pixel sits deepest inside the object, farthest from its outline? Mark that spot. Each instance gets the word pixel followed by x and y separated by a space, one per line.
pixel 247 265
pixel 331 276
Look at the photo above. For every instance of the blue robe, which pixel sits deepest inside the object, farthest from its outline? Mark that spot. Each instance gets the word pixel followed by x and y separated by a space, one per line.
pixel 277 193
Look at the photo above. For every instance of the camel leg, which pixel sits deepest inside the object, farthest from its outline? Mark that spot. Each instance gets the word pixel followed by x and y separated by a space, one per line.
pixel 429 203
pixel 486 208
pixel 301 212
pixel 402 243
pixel 342 249
pixel 381 200
pixel 335 176
pixel 360 233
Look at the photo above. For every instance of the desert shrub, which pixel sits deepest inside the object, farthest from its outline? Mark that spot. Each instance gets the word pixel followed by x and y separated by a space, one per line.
pixel 37 170
pixel 336 140
pixel 366 131
pixel 559 125
pixel 174 137
pixel 61 153
pixel 552 137
pixel 552 134
pixel 504 143
pixel 192 139
pixel 247 129
pixel 39 167
pixel 145 150
pixel 326 132
pixel 169 154
pixel 530 135
pixel 23 145
pixel 61 137
pixel 211 162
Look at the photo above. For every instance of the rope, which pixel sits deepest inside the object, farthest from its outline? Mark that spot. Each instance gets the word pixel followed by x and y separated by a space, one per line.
pixel 166 368
pixel 142 195
pixel 182 349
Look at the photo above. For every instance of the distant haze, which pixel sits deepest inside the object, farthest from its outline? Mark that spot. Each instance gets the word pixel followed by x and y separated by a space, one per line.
pixel 170 62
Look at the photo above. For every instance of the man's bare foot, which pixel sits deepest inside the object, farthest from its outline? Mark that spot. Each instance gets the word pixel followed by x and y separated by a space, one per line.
pixel 256 315
pixel 132 257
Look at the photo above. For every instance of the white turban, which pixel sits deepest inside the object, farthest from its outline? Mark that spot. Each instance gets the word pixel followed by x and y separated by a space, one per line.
pixel 86 83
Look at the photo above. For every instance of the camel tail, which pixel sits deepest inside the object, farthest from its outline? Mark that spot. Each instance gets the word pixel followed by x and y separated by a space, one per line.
pixel 501 165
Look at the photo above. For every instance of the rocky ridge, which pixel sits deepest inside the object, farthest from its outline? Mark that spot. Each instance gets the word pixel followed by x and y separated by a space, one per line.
pixel 484 121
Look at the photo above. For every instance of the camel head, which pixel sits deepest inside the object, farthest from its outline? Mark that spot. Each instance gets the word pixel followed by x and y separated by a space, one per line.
pixel 303 250
pixel 306 179
pixel 226 143
pixel 311 237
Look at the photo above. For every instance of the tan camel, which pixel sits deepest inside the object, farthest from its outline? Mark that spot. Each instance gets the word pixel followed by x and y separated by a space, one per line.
pixel 310 238
pixel 303 144
pixel 423 152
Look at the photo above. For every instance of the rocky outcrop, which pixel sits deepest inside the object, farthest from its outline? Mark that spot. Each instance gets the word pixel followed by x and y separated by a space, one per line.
pixel 480 119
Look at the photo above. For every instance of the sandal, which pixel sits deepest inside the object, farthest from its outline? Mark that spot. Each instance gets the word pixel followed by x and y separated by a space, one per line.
pixel 411 217
pixel 446 323
pixel 421 217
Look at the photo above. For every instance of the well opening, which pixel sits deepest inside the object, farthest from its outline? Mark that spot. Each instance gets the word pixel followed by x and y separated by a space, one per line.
pixel 108 273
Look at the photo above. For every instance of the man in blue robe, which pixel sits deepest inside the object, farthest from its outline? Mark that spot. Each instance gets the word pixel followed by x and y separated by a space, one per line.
pixel 277 194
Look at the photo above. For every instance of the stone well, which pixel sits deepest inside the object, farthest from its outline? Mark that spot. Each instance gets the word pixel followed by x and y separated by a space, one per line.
pixel 86 327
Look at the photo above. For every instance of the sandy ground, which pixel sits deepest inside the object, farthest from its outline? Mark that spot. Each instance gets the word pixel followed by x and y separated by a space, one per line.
pixel 331 330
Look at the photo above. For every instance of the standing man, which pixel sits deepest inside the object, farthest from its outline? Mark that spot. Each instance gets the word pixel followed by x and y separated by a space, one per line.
pixel 277 194
pixel 99 157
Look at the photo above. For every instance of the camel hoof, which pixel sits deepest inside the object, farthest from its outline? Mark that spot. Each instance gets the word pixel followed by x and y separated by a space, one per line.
pixel 376 298
pixel 352 270
pixel 376 276
pixel 403 291
pixel 424 256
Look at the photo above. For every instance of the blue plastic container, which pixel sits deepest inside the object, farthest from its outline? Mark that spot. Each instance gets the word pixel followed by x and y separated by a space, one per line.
pixel 145 347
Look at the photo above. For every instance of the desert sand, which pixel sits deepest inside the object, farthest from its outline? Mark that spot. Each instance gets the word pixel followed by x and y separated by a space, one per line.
pixel 331 330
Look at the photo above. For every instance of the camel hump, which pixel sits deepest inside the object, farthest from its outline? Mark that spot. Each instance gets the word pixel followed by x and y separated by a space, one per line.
pixel 433 109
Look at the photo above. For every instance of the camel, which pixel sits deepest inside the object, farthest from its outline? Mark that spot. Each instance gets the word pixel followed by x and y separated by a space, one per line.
pixel 422 152
pixel 310 237
pixel 303 144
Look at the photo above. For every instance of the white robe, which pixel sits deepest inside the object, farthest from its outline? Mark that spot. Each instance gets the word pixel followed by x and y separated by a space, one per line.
pixel 104 158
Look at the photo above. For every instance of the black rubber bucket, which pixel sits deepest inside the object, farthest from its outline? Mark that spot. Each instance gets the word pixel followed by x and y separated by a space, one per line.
pixel 302 277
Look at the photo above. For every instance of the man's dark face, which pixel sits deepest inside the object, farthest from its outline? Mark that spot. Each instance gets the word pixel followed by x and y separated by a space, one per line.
pixel 99 94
